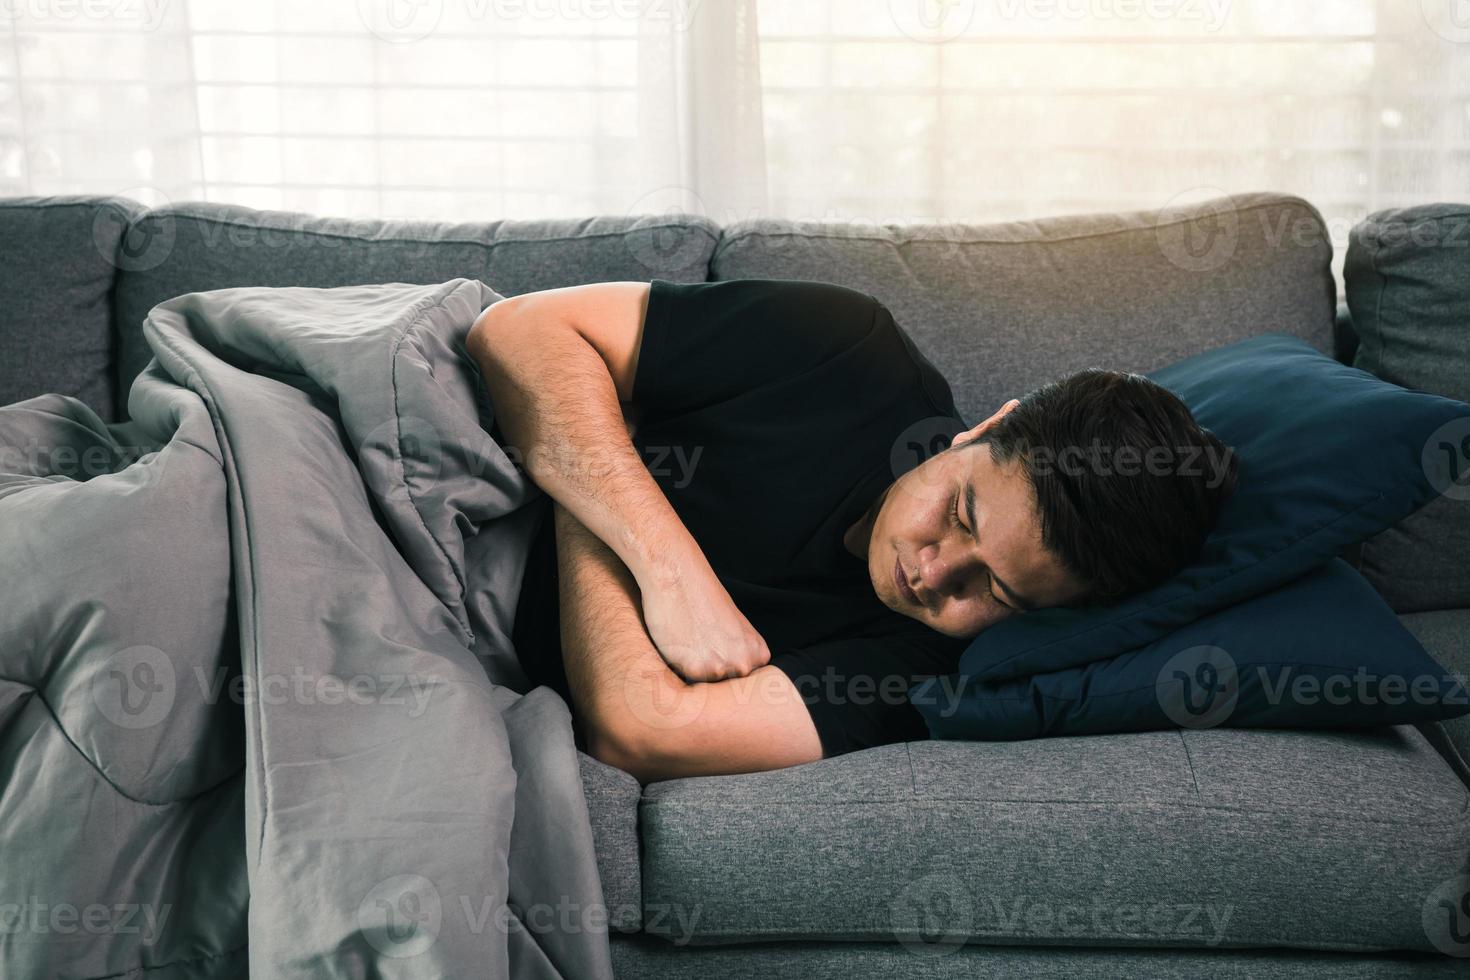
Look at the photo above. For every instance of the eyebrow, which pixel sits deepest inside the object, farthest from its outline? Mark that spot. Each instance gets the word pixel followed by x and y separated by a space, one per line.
pixel 1021 602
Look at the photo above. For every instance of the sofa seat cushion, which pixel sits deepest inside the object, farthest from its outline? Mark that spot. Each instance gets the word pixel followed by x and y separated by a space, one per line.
pixel 612 809
pixel 644 958
pixel 1215 838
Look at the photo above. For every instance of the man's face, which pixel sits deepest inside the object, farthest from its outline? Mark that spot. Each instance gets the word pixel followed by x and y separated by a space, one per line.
pixel 956 543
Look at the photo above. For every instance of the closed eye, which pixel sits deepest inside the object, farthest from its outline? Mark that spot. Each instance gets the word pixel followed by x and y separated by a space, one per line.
pixel 955 519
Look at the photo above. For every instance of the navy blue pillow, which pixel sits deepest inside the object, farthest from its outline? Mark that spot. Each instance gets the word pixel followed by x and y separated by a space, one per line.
pixel 1329 455
pixel 1324 651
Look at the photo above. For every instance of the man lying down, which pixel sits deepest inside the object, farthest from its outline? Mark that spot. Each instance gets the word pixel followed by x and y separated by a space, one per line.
pixel 740 570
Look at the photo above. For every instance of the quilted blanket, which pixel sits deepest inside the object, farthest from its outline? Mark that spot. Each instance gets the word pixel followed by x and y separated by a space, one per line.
pixel 259 709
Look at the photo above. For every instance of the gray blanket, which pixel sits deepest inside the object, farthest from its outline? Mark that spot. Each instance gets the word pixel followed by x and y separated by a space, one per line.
pixel 258 702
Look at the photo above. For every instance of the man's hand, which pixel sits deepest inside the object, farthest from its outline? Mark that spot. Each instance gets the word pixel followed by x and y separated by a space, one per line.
pixel 698 630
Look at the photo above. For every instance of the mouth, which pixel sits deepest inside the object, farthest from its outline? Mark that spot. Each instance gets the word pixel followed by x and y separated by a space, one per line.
pixel 902 581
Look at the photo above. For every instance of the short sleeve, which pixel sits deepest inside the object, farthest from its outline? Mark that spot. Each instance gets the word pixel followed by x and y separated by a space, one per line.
pixel 707 342
pixel 857 689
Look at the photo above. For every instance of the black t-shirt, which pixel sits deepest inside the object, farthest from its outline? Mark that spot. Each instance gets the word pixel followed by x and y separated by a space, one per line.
pixel 772 414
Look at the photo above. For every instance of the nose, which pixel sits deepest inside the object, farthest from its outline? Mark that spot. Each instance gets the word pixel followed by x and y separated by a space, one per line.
pixel 944 572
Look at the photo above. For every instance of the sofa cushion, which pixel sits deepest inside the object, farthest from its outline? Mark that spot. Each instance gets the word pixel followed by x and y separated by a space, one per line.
pixel 197 247
pixel 59 256
pixel 1408 286
pixel 612 809
pixel 645 958
pixel 1321 840
pixel 1003 308
pixel 1323 651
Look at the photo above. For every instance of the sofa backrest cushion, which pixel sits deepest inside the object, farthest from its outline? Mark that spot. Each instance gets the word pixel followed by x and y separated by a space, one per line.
pixel 58 257
pixel 192 247
pixel 1407 275
pixel 1001 309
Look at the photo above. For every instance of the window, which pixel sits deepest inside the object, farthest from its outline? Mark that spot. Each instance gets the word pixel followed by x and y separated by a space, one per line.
pixel 858 110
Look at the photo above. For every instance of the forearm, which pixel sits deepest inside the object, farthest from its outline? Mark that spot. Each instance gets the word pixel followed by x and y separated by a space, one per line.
pixel 557 406
pixel 638 714
pixel 613 669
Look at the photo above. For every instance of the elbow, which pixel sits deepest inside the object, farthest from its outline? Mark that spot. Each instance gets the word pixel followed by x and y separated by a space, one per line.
pixel 635 756
pixel 650 724
pixel 487 329
pixel 623 743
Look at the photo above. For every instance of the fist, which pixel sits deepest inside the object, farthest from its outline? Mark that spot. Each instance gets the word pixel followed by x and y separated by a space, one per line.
pixel 698 630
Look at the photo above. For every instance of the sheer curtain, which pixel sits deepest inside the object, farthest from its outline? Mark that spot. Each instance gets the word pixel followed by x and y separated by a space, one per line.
pixel 453 109
pixel 859 110
pixel 943 110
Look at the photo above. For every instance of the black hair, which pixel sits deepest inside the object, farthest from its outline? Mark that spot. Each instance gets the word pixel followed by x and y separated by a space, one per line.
pixel 1128 485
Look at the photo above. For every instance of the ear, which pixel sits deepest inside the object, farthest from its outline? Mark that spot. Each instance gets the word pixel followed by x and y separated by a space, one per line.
pixel 970 434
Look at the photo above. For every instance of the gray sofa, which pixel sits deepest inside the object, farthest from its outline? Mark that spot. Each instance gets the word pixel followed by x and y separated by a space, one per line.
pixel 1182 853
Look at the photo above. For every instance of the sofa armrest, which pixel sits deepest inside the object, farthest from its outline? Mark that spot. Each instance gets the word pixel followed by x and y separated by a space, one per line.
pixel 1445 633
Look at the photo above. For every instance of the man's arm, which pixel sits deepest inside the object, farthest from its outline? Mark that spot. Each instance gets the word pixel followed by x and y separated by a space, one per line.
pixel 556 363
pixel 638 714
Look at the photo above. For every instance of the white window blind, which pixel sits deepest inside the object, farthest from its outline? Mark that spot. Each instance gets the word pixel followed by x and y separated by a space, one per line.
pixel 858 110
pixel 999 110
